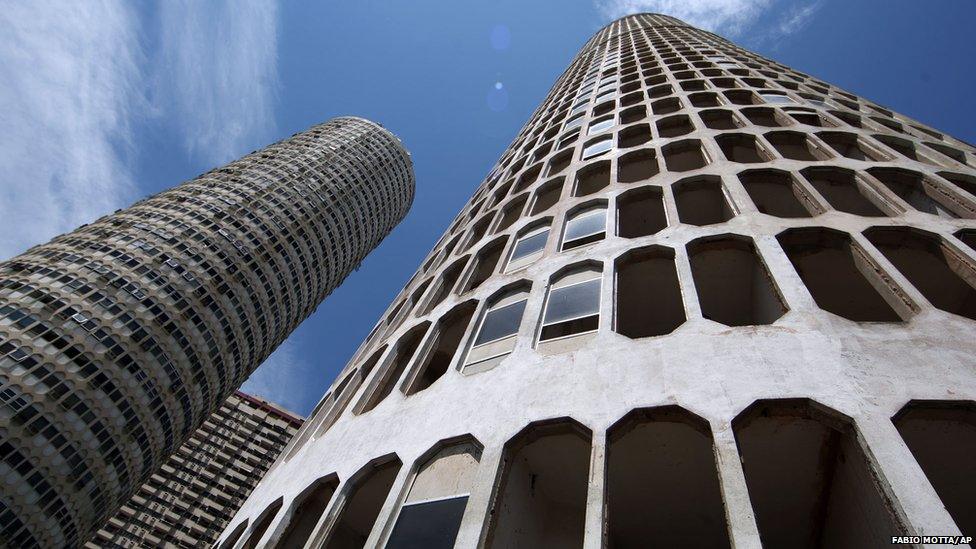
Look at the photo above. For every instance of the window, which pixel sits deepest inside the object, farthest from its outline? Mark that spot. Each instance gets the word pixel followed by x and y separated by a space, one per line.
pixel 600 125
pixel 311 503
pixel 431 515
pixel 777 98
pixel 528 248
pixel 541 501
pixel 441 350
pixel 573 305
pixel 497 333
pixel 597 147
pixel 366 492
pixel 585 227
pixel 798 457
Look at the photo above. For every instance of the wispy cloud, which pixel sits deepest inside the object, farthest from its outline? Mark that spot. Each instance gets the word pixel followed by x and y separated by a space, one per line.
pixel 729 17
pixel 798 18
pixel 69 87
pixel 282 378
pixel 74 100
pixel 217 74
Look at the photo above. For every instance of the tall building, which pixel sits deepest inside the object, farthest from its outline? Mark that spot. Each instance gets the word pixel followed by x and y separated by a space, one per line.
pixel 191 498
pixel 119 339
pixel 702 300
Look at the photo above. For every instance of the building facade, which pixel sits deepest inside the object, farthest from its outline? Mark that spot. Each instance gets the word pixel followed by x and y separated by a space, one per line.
pixel 702 300
pixel 119 339
pixel 192 497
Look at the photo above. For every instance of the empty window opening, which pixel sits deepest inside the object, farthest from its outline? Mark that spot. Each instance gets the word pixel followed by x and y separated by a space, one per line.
pixel 809 479
pixel 720 119
pixel 693 85
pixel 633 114
pixel 675 126
pixel 942 436
pixel 343 395
pixel 442 348
pixel 851 146
pixel 641 212
pixel 666 106
pixel 927 131
pixel 585 227
pixel 604 108
pixel 395 366
pixel 632 136
pixel 890 124
pixel 497 332
pixel 430 516
pixel 445 284
pixel 648 297
pixel 419 292
pixel 231 540
pixel 478 231
pixel 572 305
pixel 954 154
pixel 727 83
pixel 528 248
pixel 528 178
pixel 662 482
pixel 660 91
pixel 742 147
pixel 540 499
pixel 848 118
pixel 796 146
pixel 684 156
pixel 484 264
pixel 702 201
pixel 964 182
pixel 968 237
pixel 637 166
pixel 776 193
pixel 740 97
pixel 734 286
pixel 918 191
pixel 559 162
pixel 844 191
pixel 701 100
pixel 904 147
pixel 597 147
pixel 547 195
pixel 261 525
pixel 511 213
pixel 592 178
pixel 841 278
pixel 944 276
pixel 311 503
pixel 631 99
pixel 367 492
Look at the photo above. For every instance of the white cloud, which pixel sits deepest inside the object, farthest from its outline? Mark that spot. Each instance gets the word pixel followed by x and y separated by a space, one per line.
pixel 798 18
pixel 69 85
pixel 217 74
pixel 282 378
pixel 73 97
pixel 728 17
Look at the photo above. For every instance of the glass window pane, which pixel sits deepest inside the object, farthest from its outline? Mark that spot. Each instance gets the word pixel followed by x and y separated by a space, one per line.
pixel 431 525
pixel 501 322
pixel 777 98
pixel 574 301
pixel 585 225
pixel 574 122
pixel 598 148
pixel 597 127
pixel 530 245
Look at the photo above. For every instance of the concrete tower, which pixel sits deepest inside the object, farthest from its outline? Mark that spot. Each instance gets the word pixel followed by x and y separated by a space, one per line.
pixel 702 300
pixel 119 339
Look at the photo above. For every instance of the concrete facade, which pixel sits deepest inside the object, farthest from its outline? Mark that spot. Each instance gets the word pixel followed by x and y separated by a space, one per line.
pixel 698 302
pixel 119 339
pixel 193 496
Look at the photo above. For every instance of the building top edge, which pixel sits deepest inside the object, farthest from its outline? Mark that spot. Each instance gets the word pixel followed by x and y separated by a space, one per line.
pixel 272 408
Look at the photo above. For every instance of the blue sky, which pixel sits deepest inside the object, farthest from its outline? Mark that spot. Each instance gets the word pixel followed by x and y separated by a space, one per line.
pixel 102 103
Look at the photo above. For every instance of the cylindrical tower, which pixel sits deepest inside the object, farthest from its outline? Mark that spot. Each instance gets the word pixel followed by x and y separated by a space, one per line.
pixel 119 339
pixel 702 300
